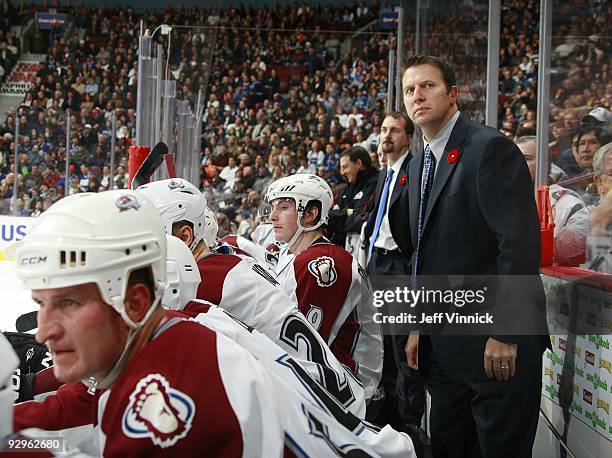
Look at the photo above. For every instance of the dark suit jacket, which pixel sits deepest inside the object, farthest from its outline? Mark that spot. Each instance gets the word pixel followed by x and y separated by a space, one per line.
pixel 359 197
pixel 398 209
pixel 481 220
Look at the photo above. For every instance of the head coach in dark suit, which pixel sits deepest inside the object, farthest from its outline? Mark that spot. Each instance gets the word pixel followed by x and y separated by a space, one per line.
pixel 472 212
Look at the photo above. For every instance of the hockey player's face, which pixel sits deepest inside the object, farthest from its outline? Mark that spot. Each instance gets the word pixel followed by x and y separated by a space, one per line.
pixel 284 219
pixel 85 335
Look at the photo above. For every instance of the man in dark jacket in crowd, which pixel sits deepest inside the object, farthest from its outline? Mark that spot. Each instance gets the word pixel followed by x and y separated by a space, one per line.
pixel 355 201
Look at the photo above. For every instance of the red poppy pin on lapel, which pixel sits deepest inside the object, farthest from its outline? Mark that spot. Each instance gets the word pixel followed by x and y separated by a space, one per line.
pixel 403 180
pixel 453 155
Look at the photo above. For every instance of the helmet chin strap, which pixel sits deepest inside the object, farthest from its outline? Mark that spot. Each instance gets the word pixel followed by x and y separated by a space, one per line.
pixel 135 328
pixel 194 243
pixel 300 230
pixel 194 240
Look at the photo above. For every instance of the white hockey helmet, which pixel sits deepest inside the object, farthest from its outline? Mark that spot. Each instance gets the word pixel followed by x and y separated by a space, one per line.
pixel 303 188
pixel 183 275
pixel 99 238
pixel 177 200
pixel 8 363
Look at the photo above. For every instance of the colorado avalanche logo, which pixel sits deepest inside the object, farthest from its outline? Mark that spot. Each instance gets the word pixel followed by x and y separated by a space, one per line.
pixel 174 184
pixel 324 270
pixel 158 411
pixel 126 202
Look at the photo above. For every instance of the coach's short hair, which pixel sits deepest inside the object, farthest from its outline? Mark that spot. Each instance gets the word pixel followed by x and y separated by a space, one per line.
pixel 448 74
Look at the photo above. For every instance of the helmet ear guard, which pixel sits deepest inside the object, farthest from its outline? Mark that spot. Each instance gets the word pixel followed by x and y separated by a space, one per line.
pixel 211 227
pixel 183 275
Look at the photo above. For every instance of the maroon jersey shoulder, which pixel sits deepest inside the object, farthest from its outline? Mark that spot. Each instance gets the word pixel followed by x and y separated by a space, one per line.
pixel 213 271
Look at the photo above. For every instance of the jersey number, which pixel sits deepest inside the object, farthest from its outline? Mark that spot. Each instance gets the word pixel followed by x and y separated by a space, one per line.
pixel 294 330
pixel 320 430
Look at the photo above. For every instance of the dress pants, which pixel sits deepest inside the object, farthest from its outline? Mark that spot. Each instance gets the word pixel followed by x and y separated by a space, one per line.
pixel 485 418
pixel 404 401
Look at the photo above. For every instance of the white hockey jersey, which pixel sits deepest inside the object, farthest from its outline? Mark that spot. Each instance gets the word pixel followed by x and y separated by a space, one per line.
pixel 314 422
pixel 250 293
pixel 333 292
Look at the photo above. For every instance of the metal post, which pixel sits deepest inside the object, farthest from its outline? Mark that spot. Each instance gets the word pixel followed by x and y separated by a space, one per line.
pixel 67 155
pixel 543 92
pixel 169 115
pixel 493 64
pixel 158 95
pixel 400 55
pixel 112 153
pixel 139 94
pixel 183 113
pixel 16 173
pixel 156 88
pixel 390 76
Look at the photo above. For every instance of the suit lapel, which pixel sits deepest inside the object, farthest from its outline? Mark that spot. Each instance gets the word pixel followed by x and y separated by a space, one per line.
pixel 397 189
pixel 445 169
pixel 379 185
pixel 414 194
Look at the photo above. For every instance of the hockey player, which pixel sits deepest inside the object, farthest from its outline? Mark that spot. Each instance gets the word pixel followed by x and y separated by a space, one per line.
pixel 323 279
pixel 96 266
pixel 249 292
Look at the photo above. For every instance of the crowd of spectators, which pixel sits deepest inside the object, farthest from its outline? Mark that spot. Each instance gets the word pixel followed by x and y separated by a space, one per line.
pixel 288 88
pixel 579 110
pixel 9 43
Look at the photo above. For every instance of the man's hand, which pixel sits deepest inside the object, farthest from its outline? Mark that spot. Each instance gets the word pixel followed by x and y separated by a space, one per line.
pixel 349 211
pixel 412 350
pixel 499 359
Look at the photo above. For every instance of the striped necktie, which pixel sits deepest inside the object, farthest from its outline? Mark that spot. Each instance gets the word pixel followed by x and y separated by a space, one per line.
pixel 429 167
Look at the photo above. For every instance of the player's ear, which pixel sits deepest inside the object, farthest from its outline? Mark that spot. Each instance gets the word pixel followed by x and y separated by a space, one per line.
pixel 184 232
pixel 137 301
pixel 310 217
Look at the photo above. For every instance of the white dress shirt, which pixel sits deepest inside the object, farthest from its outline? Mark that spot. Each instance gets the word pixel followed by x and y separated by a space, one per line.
pixel 438 143
pixel 385 239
